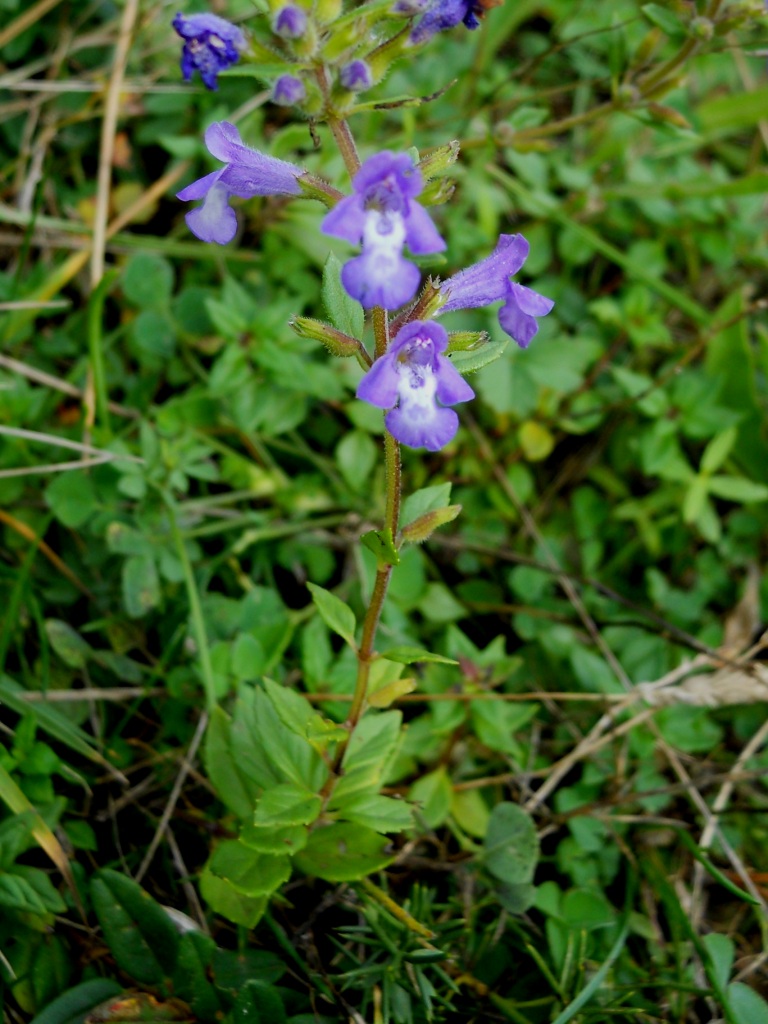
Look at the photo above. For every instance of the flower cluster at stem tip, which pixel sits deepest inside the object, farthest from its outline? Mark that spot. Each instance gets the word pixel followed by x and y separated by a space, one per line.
pixel 413 378
pixel 211 44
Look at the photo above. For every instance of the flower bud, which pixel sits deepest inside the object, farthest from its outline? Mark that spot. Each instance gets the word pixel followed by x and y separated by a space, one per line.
pixel 460 341
pixel 327 11
pixel 356 76
pixel 420 529
pixel 290 22
pixel 702 28
pixel 288 91
pixel 439 160
pixel 669 115
pixel 337 343
pixel 438 191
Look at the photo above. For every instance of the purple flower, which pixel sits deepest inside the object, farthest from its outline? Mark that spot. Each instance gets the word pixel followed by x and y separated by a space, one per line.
pixel 415 382
pixel 247 173
pixel 383 214
pixel 356 76
pixel 290 22
pixel 210 45
pixel 288 90
pixel 488 281
pixel 445 14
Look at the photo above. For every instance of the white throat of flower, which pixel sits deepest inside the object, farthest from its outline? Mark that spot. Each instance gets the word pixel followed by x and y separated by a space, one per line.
pixel 384 234
pixel 416 386
pixel 214 208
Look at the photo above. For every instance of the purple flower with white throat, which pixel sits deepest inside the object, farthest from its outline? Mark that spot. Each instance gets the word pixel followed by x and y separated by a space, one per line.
pixel 489 280
pixel 211 44
pixel 382 212
pixel 416 382
pixel 246 173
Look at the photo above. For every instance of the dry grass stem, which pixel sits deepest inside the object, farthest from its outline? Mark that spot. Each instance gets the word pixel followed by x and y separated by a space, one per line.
pixel 186 766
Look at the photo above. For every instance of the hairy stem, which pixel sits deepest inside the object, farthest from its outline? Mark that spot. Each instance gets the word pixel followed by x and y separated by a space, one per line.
pixel 380 320
pixel 384 572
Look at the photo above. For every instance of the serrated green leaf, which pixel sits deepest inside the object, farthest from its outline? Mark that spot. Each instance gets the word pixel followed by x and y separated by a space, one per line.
pixel 718 449
pixel 224 768
pixel 366 759
pixel 695 497
pixel 432 794
pixel 287 804
pixel 141 585
pixel 42 886
pixel 344 852
pixel 338 616
pixel 250 872
pixel 287 839
pixel 387 693
pixel 291 757
pixel 356 455
pixel 72 498
pixel 515 898
pixel 427 499
pixel 511 846
pixel 67 643
pixel 17 894
pixel 148 280
pixel 380 813
pixel 223 898
pixel 747 1006
pixel 737 488
pixel 345 313
pixel 405 655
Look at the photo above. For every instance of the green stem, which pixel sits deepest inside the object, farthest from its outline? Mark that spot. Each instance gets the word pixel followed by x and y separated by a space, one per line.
pixel 384 572
pixel 96 350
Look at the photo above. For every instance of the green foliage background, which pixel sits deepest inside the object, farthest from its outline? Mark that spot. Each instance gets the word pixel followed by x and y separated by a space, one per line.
pixel 613 487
